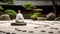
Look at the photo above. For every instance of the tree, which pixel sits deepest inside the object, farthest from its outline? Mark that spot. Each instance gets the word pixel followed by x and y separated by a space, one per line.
pixel 54 5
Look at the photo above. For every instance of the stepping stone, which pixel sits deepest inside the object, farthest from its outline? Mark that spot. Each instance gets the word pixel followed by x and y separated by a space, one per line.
pixel 4 32
pixel 43 31
pixel 17 29
pixel 58 31
pixel 51 28
pixel 50 32
pixel 0 31
pixel 23 30
pixel 46 25
pixel 56 28
pixel 35 27
pixel 13 33
pixel 7 33
pixel 31 31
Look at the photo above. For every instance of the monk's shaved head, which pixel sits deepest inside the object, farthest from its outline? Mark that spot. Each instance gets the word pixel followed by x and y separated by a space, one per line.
pixel 19 11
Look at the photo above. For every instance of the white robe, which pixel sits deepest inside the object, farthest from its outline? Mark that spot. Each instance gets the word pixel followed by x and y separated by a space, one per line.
pixel 19 17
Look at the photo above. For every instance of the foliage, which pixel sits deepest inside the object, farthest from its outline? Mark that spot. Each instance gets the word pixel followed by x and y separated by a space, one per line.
pixel 38 10
pixel 58 18
pixel 12 13
pixel 1 13
pixel 34 16
pixel 10 2
pixel 28 6
pixel 2 0
pixel 7 0
pixel 1 8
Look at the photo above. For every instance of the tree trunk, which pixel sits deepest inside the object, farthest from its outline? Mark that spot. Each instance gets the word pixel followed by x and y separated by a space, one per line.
pixel 54 6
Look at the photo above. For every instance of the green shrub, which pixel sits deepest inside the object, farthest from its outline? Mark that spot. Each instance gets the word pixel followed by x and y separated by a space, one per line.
pixel 1 13
pixel 9 2
pixel 1 8
pixel 38 10
pixel 28 6
pixel 58 18
pixel 34 16
pixel 12 13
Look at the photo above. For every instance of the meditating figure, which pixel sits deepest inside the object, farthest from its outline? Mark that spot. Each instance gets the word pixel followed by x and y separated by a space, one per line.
pixel 19 17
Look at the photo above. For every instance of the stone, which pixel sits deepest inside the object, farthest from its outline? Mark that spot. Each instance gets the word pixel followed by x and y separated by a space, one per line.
pixel 35 27
pixel 31 31
pixel 23 30
pixel 58 31
pixel 4 32
pixel 7 33
pixel 17 29
pixel 50 32
pixel 18 24
pixel 43 31
pixel 5 17
pixel 1 31
pixel 51 16
pixel 56 28
pixel 13 33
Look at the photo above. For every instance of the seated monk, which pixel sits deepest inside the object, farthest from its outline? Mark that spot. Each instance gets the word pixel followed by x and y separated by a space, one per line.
pixel 19 17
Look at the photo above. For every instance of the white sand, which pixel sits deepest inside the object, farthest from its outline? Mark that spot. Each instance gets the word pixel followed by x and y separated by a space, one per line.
pixel 6 27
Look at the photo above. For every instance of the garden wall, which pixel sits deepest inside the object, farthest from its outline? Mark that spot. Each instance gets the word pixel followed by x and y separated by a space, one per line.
pixel 46 9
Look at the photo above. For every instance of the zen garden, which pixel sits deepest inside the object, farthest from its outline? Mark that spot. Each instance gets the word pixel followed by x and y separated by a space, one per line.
pixel 29 16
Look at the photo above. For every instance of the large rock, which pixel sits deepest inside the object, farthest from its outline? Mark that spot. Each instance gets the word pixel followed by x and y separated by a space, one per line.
pixel 5 17
pixel 51 16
